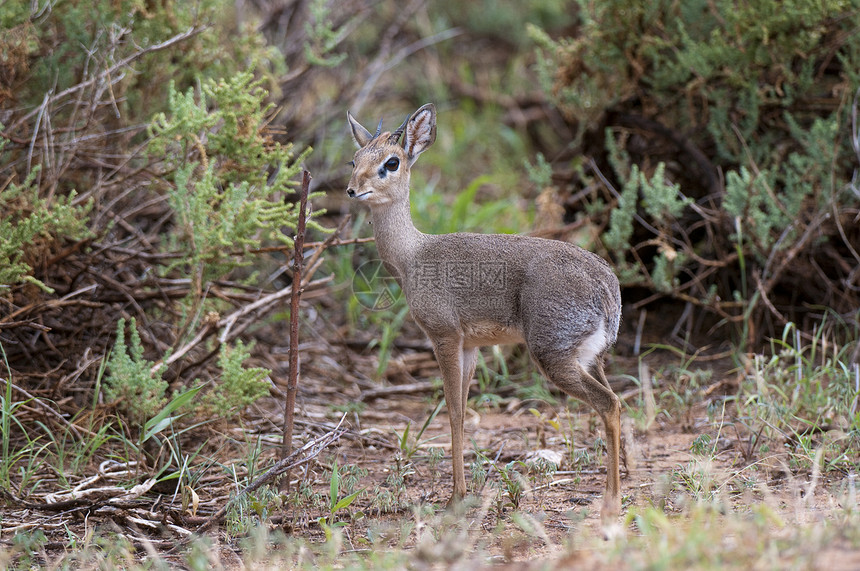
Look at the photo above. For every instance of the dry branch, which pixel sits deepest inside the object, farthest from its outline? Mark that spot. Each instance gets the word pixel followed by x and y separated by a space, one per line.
pixel 301 456
pixel 250 313
pixel 382 392
pixel 106 74
pixel 292 382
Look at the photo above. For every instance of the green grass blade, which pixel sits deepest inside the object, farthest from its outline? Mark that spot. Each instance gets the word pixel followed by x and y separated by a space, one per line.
pixel 163 419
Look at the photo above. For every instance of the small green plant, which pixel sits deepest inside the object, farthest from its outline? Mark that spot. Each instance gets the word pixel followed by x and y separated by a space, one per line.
pixel 479 472
pixel 303 500
pixel 163 429
pixel 408 447
pixel 701 445
pixel 396 480
pixel 29 544
pixel 535 387
pixel 385 501
pixel 697 479
pixel 513 482
pixel 434 458
pixel 7 420
pixel 32 224
pixel 337 504
pixel 239 386
pixel 540 473
pixel 540 173
pixel 799 399
pixel 581 459
pixel 139 394
pixel 252 510
pixel 131 384
pixel 72 454
pixel 390 330
pixel 491 377
pixel 350 476
pixel 684 390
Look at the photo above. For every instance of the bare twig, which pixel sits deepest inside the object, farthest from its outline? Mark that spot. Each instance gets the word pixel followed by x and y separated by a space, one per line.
pixel 292 382
pixel 189 33
pixel 301 456
pixel 55 303
pixel 412 388
pixel 231 331
pixel 347 242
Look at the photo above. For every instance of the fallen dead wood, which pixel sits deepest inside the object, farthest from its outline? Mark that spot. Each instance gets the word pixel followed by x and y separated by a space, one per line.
pixel 301 456
pixel 108 494
pixel 250 313
pixel 412 388
pixel 93 493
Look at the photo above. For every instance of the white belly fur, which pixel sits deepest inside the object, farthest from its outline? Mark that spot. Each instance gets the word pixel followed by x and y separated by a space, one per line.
pixel 484 334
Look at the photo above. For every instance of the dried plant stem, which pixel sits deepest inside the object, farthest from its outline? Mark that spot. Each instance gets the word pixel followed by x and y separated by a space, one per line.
pixel 108 73
pixel 292 383
pixel 311 450
pixel 230 332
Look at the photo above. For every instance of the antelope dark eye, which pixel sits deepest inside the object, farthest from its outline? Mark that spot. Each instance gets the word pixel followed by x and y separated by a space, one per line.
pixel 351 163
pixel 392 164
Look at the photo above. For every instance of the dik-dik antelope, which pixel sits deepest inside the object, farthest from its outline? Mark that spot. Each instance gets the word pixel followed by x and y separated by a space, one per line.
pixel 467 291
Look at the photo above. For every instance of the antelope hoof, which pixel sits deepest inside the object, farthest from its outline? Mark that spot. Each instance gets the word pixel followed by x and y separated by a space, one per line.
pixel 609 522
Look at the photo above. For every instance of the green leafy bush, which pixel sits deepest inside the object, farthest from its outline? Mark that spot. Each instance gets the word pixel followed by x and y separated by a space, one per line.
pixel 227 177
pixel 57 45
pixel 32 225
pixel 727 130
pixel 163 187
pixel 130 382
pixel 239 385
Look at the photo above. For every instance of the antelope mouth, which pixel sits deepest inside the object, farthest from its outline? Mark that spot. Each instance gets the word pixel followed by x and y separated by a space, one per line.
pixel 362 196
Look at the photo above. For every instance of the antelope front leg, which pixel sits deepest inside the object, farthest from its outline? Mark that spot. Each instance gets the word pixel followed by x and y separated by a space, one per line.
pixel 449 354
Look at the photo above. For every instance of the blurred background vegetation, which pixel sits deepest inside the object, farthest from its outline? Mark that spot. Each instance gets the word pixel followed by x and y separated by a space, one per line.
pixel 151 151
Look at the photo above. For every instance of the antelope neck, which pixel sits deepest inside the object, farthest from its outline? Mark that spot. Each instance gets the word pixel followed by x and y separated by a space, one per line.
pixel 396 235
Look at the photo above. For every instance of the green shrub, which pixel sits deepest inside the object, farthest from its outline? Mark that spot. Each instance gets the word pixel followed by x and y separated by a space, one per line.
pixel 227 177
pixel 130 383
pixel 727 130
pixel 239 386
pixel 52 46
pixel 503 20
pixel 32 225
pixel 715 64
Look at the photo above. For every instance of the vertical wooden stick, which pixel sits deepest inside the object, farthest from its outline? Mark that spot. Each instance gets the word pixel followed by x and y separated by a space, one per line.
pixel 292 382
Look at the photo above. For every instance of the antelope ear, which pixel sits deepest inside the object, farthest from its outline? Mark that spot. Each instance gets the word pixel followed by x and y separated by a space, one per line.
pixel 361 135
pixel 420 132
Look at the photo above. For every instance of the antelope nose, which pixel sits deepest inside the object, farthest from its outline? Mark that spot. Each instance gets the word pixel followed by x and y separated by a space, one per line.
pixel 350 192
